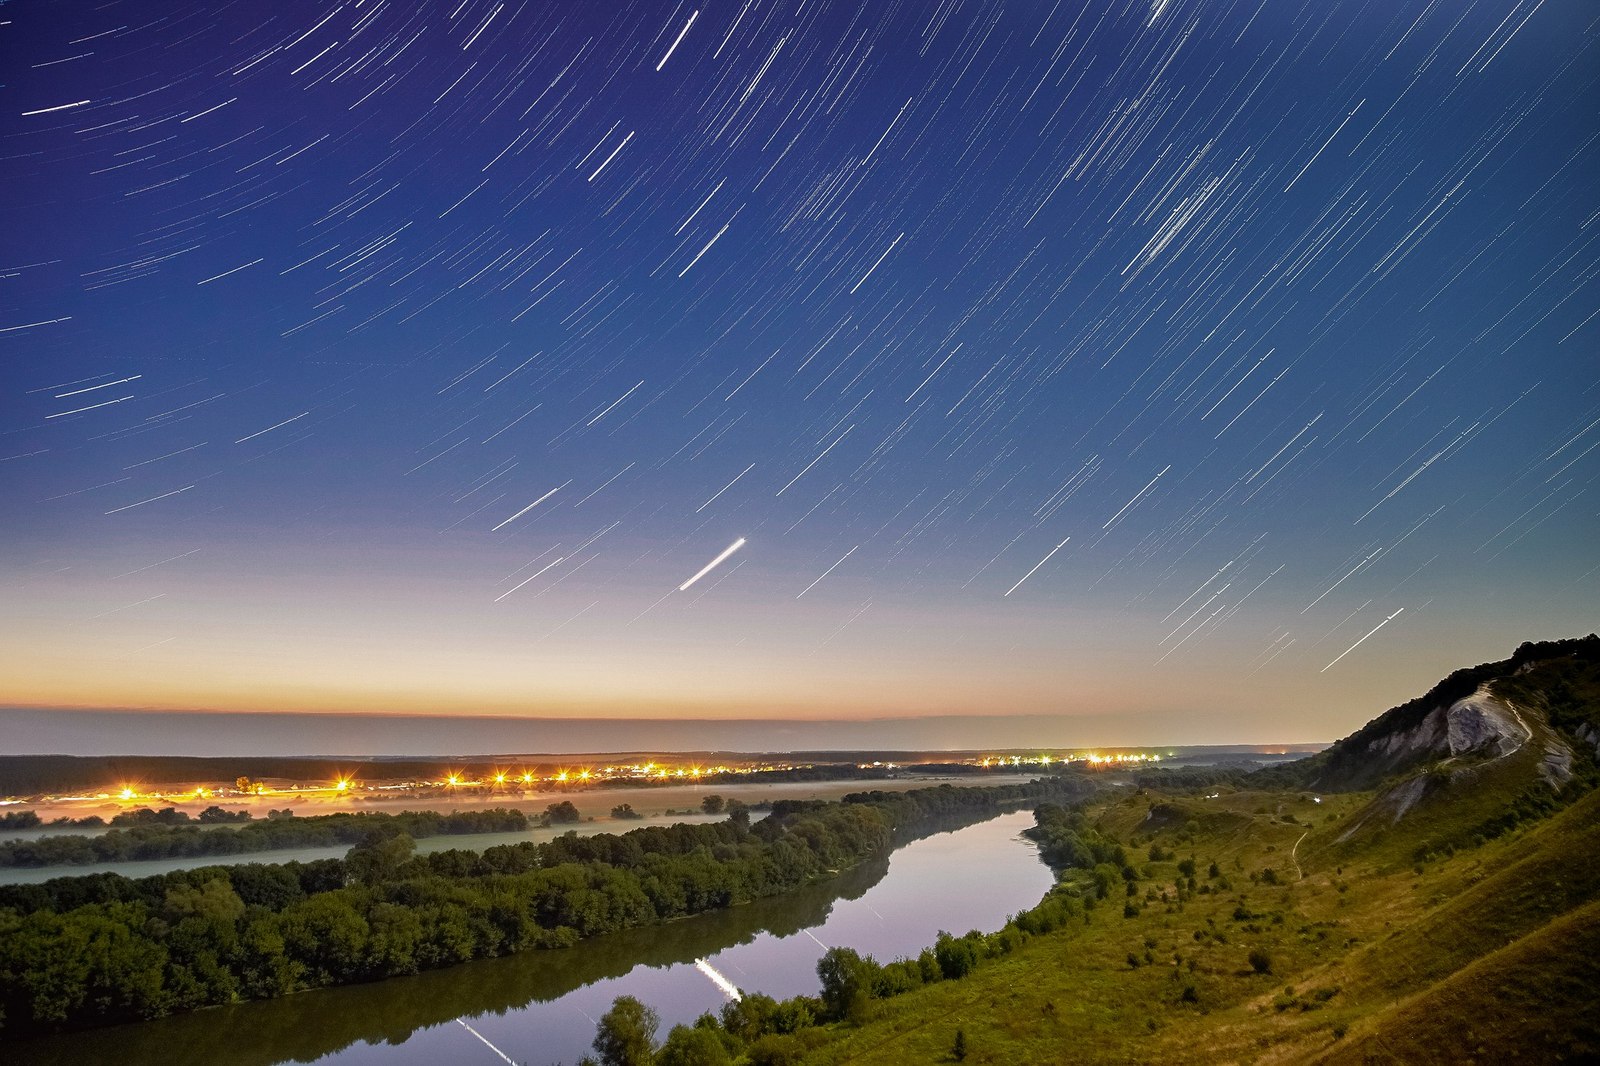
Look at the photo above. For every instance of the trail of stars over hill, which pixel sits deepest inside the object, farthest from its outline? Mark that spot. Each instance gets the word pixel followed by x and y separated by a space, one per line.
pixel 1223 361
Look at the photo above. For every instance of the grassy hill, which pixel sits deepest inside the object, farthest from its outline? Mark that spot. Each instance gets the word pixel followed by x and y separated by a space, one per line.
pixel 1441 904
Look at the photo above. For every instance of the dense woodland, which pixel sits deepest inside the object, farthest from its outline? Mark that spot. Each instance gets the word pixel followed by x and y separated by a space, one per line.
pixel 763 1031
pixel 167 833
pixel 81 951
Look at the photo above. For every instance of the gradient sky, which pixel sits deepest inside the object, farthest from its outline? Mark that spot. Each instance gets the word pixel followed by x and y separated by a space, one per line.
pixel 1224 369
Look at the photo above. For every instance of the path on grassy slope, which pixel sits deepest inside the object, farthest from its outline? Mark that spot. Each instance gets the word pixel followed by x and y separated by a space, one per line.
pixel 1293 856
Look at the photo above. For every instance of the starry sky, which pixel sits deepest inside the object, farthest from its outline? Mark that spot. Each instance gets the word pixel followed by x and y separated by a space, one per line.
pixel 1205 370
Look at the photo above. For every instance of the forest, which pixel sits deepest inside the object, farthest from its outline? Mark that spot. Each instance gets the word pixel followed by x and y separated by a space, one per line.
pixel 763 1031
pixel 146 834
pixel 100 949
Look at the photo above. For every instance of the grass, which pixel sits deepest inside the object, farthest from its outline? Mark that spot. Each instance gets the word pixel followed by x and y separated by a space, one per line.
pixel 1372 961
pixel 1498 1008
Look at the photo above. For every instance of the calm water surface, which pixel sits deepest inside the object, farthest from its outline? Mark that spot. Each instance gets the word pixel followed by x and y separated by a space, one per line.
pixel 539 1008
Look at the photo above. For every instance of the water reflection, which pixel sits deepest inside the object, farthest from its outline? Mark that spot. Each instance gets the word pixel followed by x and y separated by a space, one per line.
pixel 539 1006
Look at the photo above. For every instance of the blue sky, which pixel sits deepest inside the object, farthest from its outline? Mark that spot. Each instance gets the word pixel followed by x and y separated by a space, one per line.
pixel 1227 369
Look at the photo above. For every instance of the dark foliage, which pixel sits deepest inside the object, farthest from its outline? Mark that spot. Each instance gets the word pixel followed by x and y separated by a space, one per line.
pixel 146 834
pixel 92 950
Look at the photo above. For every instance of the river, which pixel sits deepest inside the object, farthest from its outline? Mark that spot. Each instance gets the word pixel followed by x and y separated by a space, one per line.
pixel 538 1008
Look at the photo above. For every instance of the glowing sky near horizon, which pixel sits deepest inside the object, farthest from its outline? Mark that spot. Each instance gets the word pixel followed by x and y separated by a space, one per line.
pixel 1223 363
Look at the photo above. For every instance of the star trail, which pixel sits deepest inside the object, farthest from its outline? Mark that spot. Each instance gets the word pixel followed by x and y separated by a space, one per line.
pixel 1073 357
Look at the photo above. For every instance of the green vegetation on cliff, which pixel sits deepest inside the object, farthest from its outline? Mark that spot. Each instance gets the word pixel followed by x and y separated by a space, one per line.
pixel 1451 915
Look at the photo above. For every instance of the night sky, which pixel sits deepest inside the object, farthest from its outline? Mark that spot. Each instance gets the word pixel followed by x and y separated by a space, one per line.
pixel 1205 370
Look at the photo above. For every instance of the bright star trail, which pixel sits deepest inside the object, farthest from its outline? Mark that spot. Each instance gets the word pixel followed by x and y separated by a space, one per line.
pixel 397 358
pixel 713 564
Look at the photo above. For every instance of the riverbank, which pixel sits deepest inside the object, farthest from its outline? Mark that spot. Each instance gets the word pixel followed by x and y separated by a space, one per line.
pixel 384 912
pixel 539 1007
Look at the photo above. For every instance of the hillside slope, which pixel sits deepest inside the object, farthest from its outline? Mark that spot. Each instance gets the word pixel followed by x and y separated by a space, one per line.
pixel 1469 716
pixel 1427 890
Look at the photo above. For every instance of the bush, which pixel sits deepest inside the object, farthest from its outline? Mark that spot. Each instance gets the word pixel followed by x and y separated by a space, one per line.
pixel 1260 961
pixel 627 1034
pixel 695 1046
pixel 563 813
pixel 773 1050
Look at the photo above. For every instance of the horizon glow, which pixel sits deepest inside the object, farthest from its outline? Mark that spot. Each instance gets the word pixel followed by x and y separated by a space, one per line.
pixel 1164 374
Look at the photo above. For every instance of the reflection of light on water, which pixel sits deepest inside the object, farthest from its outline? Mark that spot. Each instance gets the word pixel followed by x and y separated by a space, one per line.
pixel 485 1040
pixel 813 936
pixel 727 986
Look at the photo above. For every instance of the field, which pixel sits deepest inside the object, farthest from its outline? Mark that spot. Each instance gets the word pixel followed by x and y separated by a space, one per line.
pixel 654 804
pixel 1489 954
pixel 592 802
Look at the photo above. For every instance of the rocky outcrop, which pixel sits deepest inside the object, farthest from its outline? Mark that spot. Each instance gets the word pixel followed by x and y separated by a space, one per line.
pixel 1482 723
pixel 1478 726
pixel 1556 765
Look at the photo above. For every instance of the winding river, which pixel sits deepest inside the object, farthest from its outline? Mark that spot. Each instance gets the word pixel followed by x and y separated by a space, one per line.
pixel 539 1008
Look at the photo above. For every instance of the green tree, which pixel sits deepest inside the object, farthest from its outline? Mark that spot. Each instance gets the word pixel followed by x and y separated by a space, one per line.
pixel 687 1046
pixel 847 981
pixel 563 813
pixel 775 1050
pixel 380 860
pixel 959 1050
pixel 627 1034
pixel 1260 961
pixel 956 956
pixel 712 804
pixel 327 936
pixel 625 810
pixel 748 1017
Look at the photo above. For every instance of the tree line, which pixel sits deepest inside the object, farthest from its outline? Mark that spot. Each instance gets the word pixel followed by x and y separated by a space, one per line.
pixel 146 834
pixel 82 951
pixel 762 1031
